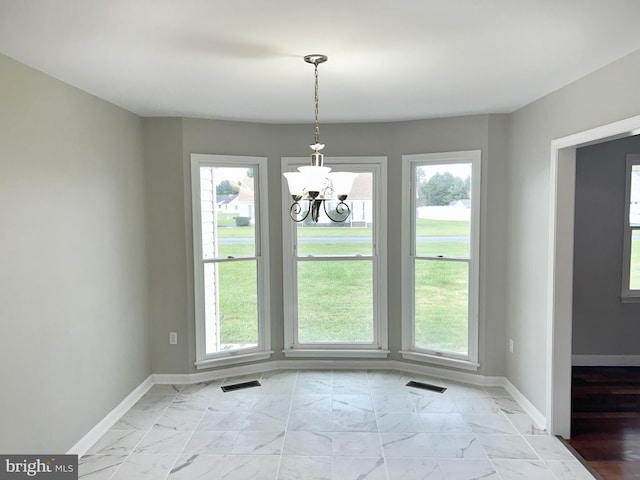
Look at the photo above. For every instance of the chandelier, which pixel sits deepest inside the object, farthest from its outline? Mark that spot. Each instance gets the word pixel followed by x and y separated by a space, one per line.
pixel 315 183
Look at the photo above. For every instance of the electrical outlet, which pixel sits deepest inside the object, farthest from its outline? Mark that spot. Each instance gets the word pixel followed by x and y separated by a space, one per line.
pixel 173 338
pixel 511 345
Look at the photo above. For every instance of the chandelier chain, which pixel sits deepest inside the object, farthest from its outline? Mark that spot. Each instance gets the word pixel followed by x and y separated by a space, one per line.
pixel 314 183
pixel 316 103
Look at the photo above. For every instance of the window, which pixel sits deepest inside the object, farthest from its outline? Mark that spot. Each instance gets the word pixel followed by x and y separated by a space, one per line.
pixel 230 266
pixel 335 273
pixel 440 258
pixel 631 251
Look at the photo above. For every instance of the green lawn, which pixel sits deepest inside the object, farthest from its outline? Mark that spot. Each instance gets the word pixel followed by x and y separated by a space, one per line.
pixel 335 298
pixel 441 305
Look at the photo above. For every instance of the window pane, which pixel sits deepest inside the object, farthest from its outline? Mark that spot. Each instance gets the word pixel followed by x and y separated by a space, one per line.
pixel 231 305
pixel 351 237
pixel 443 210
pixel 441 305
pixel 634 207
pixel 634 268
pixel 335 301
pixel 228 212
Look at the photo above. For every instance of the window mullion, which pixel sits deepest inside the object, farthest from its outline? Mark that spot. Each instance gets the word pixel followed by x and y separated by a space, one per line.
pixel 316 258
pixel 443 259
pixel 225 260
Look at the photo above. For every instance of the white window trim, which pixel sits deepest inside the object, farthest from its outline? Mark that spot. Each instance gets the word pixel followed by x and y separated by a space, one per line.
pixel 379 348
pixel 263 350
pixel 409 350
pixel 628 295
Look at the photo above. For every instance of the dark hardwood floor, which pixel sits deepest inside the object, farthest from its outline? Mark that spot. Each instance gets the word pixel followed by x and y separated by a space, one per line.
pixel 605 420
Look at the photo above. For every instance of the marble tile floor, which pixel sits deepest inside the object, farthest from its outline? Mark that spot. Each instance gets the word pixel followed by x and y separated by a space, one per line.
pixel 341 425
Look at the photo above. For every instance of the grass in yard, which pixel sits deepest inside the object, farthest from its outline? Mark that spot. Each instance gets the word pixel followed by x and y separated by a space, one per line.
pixel 335 301
pixel 441 228
pixel 227 219
pixel 236 250
pixel 441 305
pixel 238 302
pixel 335 297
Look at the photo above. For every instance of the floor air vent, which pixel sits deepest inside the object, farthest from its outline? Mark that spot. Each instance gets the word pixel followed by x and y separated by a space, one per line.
pixel 426 386
pixel 240 386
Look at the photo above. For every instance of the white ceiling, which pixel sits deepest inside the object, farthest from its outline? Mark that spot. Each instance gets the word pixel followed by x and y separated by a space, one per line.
pixel 388 59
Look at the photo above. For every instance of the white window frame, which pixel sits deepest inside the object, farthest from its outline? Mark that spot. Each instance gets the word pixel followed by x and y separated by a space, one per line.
pixel 379 347
pixel 628 295
pixel 263 350
pixel 409 349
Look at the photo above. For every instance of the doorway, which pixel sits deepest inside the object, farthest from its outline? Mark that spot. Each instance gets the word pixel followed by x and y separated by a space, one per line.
pixel 560 271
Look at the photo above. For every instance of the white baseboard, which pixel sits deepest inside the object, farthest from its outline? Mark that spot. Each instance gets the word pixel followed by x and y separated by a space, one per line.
pixel 539 419
pixel 189 378
pixel 105 424
pixel 86 442
pixel 430 371
pixel 352 364
pixel 445 374
pixel 605 360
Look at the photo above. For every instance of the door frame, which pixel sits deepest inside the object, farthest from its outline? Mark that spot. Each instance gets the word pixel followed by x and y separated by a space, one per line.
pixel 560 268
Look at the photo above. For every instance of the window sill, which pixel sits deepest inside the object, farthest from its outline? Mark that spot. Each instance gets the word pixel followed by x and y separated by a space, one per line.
pixel 231 359
pixel 334 353
pixel 630 298
pixel 439 360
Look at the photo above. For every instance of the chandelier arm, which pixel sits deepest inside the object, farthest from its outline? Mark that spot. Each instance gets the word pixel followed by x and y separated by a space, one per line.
pixel 314 208
pixel 295 211
pixel 342 209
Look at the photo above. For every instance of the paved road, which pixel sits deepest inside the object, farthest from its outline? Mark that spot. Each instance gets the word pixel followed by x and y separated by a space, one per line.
pixel 347 239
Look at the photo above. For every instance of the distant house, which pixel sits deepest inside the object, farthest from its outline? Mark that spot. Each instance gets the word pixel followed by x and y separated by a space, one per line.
pixel 462 203
pixel 246 199
pixel 227 203
pixel 359 201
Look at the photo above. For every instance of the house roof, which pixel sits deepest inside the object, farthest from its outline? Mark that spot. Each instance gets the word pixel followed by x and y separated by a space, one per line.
pixel 245 195
pixel 224 199
pixel 361 188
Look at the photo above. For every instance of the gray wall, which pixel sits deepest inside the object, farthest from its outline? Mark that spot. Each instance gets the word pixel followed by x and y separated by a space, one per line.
pixel 73 287
pixel 603 97
pixel 602 325
pixel 72 204
pixel 169 202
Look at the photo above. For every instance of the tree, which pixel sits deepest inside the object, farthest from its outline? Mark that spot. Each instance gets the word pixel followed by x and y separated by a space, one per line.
pixel 225 187
pixel 442 189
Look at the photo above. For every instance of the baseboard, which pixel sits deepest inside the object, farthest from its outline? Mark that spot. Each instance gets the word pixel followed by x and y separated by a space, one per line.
pixel 105 424
pixel 539 419
pixel 189 378
pixel 446 374
pixel 352 364
pixel 86 442
pixel 429 371
pixel 605 360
